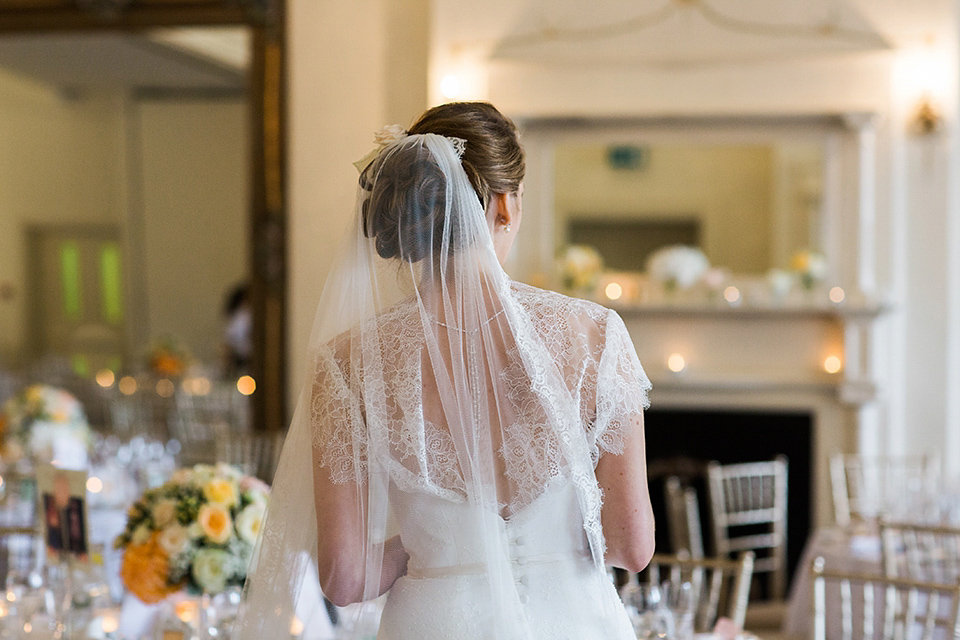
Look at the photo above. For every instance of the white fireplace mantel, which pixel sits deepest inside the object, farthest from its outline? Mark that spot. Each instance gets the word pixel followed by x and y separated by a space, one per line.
pixel 765 358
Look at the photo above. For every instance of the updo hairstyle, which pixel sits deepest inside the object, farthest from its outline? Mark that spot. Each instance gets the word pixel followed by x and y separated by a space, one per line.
pixel 404 213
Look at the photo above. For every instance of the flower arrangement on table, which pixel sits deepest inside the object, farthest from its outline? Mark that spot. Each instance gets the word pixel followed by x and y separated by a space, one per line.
pixel 45 423
pixel 810 268
pixel 168 357
pixel 194 533
pixel 677 266
pixel 579 266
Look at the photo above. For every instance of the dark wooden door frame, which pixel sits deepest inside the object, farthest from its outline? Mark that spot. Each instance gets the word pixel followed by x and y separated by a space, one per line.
pixel 267 94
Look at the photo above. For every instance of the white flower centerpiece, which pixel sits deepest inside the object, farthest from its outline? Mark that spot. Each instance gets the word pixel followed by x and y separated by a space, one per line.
pixel 579 267
pixel 45 424
pixel 677 267
pixel 194 533
pixel 810 268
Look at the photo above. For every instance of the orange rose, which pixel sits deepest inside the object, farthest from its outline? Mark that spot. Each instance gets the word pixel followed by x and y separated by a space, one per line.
pixel 215 521
pixel 168 365
pixel 144 571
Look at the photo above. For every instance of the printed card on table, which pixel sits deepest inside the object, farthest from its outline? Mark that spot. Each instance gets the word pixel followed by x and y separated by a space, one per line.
pixel 63 505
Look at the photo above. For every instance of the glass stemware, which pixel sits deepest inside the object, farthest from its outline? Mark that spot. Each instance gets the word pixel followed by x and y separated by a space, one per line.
pixel 648 610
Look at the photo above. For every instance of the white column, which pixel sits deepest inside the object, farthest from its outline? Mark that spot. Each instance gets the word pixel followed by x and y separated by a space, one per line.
pixel 952 427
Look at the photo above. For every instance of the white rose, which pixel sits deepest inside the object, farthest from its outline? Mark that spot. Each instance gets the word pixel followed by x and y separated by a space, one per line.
pixel 388 134
pixel 174 539
pixel 210 570
pixel 163 512
pixel 195 530
pixel 249 520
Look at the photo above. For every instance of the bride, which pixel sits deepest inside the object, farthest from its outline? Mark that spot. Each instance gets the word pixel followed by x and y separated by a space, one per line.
pixel 474 445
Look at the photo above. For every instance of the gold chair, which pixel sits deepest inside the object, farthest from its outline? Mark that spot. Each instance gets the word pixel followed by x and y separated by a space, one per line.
pixel 866 487
pixel 720 586
pixel 746 498
pixel 683 518
pixel 875 606
pixel 920 551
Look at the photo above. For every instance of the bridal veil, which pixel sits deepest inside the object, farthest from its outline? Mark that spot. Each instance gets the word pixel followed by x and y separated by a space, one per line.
pixel 429 375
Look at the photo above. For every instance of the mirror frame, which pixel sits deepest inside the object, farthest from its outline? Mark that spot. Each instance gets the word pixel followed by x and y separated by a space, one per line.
pixel 267 158
pixel 848 219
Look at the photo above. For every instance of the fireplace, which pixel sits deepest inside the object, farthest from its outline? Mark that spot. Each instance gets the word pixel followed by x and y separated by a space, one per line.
pixel 682 441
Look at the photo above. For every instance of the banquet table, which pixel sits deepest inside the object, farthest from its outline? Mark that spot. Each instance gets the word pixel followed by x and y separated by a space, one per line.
pixel 850 550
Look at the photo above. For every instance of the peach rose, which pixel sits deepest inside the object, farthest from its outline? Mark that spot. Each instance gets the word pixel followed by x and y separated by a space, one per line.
pixel 216 523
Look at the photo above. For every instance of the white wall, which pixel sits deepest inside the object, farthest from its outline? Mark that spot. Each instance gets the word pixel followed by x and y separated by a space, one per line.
pixel 60 164
pixel 355 65
pixel 194 197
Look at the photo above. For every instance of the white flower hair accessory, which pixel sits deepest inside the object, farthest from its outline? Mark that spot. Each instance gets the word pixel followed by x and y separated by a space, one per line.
pixel 387 135
pixel 392 133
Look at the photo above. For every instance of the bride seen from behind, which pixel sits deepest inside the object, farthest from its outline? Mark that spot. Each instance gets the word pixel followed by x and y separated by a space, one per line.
pixel 476 445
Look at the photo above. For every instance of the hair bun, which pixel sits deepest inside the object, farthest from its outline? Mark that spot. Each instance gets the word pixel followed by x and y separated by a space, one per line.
pixel 404 211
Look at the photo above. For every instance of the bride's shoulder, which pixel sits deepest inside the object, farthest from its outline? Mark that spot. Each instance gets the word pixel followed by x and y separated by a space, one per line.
pixel 553 304
pixel 555 313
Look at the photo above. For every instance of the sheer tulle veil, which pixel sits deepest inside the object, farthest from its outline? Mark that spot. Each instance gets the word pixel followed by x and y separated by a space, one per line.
pixel 427 376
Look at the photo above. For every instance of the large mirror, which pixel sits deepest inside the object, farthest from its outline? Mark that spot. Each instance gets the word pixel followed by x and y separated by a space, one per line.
pixel 142 188
pixel 752 192
pixel 748 206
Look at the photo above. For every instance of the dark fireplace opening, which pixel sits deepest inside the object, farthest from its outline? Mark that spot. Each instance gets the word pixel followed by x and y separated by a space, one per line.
pixel 682 442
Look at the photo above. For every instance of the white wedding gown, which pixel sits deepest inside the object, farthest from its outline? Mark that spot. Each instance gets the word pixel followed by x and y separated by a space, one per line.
pixel 547 583
pixel 559 592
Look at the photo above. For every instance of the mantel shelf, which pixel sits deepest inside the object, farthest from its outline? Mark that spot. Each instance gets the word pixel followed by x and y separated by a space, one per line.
pixel 849 392
pixel 707 310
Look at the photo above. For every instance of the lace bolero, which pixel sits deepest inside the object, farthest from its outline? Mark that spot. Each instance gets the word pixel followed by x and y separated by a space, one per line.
pixel 588 343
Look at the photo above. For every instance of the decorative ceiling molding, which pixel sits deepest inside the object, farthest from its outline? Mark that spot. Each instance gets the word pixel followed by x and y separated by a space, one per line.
pixel 687 32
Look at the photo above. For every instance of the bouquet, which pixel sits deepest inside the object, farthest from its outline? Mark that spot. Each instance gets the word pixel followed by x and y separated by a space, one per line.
pixel 677 266
pixel 168 357
pixel 196 532
pixel 810 267
pixel 46 423
pixel 579 266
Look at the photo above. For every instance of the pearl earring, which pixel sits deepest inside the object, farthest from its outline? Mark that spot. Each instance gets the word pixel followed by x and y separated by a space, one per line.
pixel 506 228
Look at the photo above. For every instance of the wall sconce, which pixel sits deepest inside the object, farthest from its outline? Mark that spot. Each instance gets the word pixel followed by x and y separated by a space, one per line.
pixel 926 118
pixel 925 73
pixel 458 74
pixel 832 364
pixel 451 87
pixel 676 363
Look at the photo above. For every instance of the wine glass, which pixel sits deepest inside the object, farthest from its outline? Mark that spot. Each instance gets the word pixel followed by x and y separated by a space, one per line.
pixel 679 598
pixel 648 610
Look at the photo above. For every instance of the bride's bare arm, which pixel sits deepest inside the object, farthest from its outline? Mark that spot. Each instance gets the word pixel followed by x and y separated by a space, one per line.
pixel 627 516
pixel 340 541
